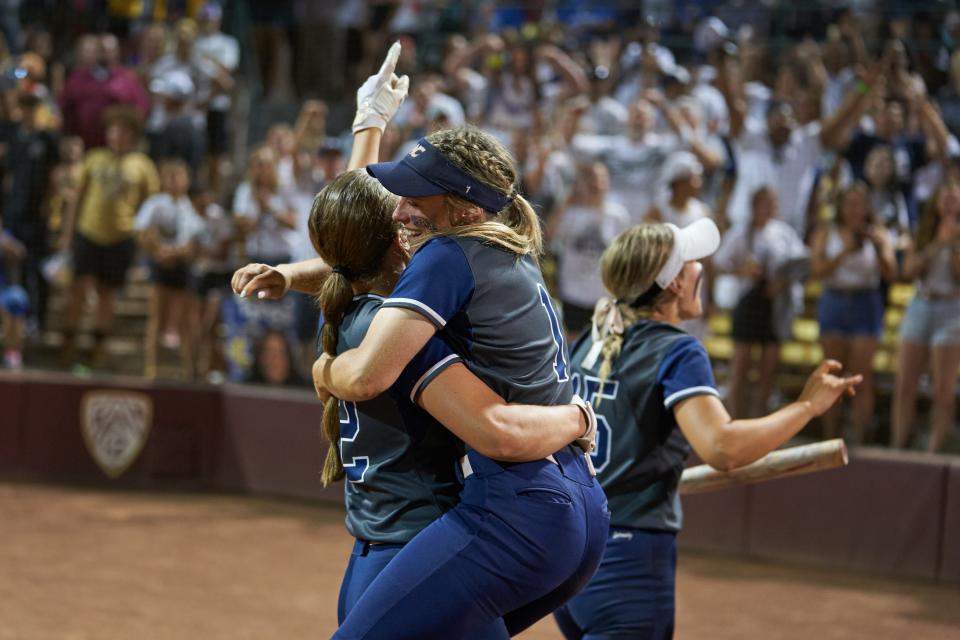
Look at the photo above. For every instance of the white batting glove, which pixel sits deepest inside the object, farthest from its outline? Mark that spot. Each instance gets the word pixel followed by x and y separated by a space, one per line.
pixel 381 95
pixel 588 440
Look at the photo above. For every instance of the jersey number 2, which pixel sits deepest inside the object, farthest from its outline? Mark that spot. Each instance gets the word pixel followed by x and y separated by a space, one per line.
pixel 349 430
pixel 588 388
pixel 560 360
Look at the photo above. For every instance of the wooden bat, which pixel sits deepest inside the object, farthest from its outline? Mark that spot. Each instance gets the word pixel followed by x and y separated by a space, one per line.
pixel 777 464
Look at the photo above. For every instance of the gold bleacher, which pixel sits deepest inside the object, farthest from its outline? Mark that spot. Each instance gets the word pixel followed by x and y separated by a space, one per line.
pixel 804 351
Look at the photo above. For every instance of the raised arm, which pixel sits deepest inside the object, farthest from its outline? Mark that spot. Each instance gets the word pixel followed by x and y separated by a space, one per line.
pixel 572 73
pixel 886 257
pixel 731 86
pixel 377 101
pixel 835 130
pixel 822 266
pixel 850 30
pixel 725 443
pixel 311 117
pixel 465 56
pixel 511 433
pixel 937 134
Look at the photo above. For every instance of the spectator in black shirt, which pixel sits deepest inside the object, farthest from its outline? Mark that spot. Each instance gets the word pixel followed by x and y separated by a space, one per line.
pixel 911 151
pixel 31 158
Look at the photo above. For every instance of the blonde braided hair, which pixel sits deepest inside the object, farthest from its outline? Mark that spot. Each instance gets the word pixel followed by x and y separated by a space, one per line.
pixel 516 227
pixel 629 267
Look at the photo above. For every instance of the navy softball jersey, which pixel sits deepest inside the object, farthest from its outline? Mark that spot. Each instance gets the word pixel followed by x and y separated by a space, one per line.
pixel 493 309
pixel 525 537
pixel 399 462
pixel 639 459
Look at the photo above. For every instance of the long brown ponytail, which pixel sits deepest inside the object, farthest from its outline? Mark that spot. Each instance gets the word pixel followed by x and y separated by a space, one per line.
pixel 351 229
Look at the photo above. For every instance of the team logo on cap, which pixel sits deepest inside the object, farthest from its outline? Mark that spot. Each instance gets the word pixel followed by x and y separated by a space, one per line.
pixel 115 426
pixel 417 150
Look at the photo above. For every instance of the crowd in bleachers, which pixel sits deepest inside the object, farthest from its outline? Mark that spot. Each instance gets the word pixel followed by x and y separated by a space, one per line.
pixel 821 138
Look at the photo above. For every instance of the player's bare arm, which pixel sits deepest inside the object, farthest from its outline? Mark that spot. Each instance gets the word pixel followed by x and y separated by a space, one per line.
pixel 272 282
pixel 725 443
pixel 509 432
pixel 394 338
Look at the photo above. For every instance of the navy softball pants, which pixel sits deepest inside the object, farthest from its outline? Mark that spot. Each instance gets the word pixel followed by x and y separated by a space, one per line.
pixel 632 593
pixel 524 539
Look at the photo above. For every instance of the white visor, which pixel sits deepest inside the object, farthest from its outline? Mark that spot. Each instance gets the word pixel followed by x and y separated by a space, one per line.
pixel 694 242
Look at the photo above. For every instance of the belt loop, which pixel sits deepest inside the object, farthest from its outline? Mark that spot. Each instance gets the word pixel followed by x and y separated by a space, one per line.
pixel 466 469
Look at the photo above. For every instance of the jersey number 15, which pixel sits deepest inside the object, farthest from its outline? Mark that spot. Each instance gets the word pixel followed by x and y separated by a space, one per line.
pixel 589 388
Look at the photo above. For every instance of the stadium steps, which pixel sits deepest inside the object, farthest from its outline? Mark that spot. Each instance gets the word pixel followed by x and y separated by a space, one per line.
pixel 125 345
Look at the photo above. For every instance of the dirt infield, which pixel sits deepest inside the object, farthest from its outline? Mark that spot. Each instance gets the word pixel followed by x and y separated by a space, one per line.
pixel 80 564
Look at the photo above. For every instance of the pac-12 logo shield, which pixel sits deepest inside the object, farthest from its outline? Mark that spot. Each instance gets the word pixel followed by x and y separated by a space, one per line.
pixel 115 426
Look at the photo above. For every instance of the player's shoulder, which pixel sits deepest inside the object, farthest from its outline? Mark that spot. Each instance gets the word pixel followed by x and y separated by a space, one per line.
pixel 646 328
pixel 357 319
pixel 450 254
pixel 646 338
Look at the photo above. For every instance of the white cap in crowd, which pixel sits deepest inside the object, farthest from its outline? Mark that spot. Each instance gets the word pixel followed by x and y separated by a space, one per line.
pixel 709 33
pixel 680 165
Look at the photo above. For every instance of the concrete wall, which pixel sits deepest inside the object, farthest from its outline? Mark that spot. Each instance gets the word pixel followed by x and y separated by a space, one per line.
pixel 888 512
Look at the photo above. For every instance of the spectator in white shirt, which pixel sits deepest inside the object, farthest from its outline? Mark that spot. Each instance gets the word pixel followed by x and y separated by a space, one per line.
pixel 223 51
pixel 514 80
pixel 604 115
pixel 168 232
pixel 930 331
pixel 426 101
pixel 777 152
pixel 681 178
pixel 642 63
pixel 853 256
pixel 887 201
pixel 840 75
pixel 580 231
pixel 204 74
pixel 216 259
pixel 767 255
pixel 263 210
pixel 634 159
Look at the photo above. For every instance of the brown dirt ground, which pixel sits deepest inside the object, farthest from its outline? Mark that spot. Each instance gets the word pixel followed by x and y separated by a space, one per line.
pixel 81 564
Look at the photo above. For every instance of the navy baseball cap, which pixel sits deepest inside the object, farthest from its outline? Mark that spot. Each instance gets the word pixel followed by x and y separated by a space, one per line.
pixel 425 172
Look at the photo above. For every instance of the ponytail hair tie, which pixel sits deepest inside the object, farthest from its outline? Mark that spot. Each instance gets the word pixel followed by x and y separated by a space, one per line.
pixel 607 320
pixel 344 271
